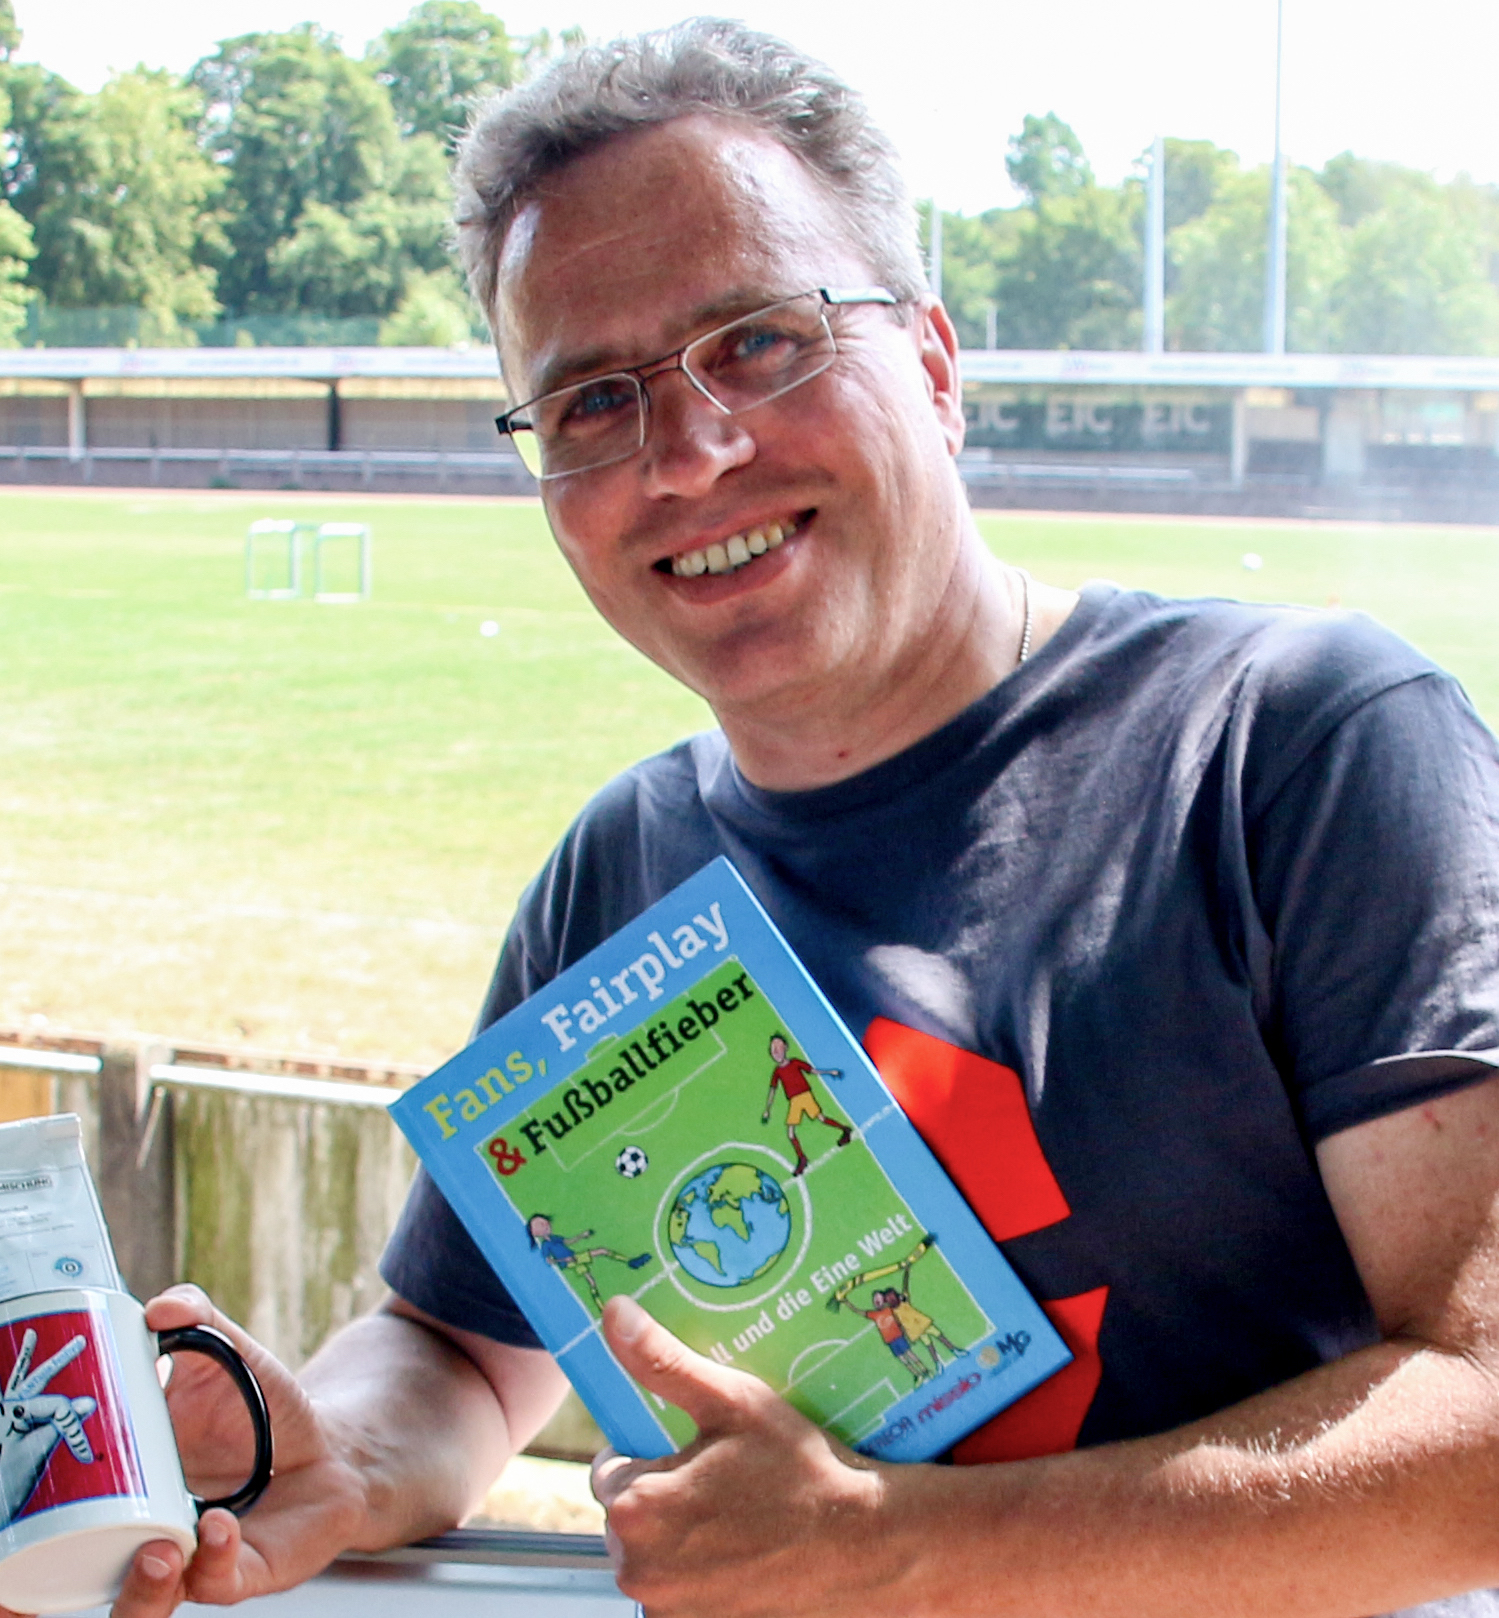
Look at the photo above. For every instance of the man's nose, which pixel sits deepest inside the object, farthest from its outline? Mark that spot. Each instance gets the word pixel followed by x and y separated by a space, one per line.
pixel 689 440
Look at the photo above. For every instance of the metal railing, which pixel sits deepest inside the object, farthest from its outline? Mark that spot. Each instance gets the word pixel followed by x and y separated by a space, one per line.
pixel 366 466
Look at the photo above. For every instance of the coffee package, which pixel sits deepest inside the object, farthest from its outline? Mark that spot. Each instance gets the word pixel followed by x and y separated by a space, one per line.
pixel 52 1230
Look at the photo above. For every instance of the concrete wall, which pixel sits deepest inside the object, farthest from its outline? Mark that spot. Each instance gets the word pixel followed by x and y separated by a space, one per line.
pixel 206 423
pixel 436 424
pixel 33 420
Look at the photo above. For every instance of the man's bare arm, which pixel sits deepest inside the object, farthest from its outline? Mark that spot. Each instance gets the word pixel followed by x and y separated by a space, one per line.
pixel 393 1431
pixel 1369 1484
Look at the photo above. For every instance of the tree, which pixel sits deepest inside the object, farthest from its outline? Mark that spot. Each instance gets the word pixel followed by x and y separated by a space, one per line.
pixel 444 57
pixel 1417 281
pixel 1219 260
pixel 435 311
pixel 974 252
pixel 1073 278
pixel 1046 159
pixel 1195 171
pixel 16 247
pixel 360 262
pixel 16 250
pixel 122 202
pixel 294 122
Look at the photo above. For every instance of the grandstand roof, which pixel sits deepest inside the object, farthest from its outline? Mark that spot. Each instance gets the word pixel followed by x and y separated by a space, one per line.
pixel 1016 366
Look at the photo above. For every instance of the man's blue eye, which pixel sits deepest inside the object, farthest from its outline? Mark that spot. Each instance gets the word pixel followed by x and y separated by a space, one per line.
pixel 595 403
pixel 756 347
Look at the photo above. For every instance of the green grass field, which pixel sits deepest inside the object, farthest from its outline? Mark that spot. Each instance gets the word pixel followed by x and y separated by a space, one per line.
pixel 304 826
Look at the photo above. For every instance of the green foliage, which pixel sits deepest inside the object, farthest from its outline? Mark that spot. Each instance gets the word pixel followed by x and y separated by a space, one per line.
pixel 1380 258
pixel 295 123
pixel 15 249
pixel 435 311
pixel 445 56
pixel 1195 173
pixel 1219 262
pixel 1417 280
pixel 120 199
pixel 1072 278
pixel 286 188
pixel 1046 159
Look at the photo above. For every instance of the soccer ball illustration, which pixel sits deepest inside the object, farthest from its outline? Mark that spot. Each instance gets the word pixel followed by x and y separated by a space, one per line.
pixel 632 1161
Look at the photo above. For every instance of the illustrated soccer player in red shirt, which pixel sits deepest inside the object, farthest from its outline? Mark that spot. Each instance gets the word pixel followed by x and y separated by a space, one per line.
pixel 791 1074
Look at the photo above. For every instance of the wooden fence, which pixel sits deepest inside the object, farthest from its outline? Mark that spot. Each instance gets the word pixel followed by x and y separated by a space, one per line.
pixel 269 1180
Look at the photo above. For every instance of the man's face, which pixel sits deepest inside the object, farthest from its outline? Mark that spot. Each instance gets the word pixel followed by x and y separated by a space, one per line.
pixel 629 253
pixel 778 1050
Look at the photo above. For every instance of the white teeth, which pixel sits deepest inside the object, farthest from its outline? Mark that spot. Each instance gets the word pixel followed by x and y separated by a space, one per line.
pixel 723 556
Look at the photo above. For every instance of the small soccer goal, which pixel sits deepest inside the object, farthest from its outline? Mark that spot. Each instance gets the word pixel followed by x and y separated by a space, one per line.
pixel 273 558
pixel 341 562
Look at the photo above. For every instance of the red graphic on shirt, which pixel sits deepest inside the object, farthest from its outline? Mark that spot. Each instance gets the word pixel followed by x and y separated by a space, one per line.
pixel 973 1114
pixel 1047 1420
pixel 64 1431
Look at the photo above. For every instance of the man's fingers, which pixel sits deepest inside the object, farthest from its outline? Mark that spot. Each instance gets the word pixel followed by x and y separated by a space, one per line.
pixel 181 1305
pixel 153 1584
pixel 215 1574
pixel 713 1395
pixel 611 1474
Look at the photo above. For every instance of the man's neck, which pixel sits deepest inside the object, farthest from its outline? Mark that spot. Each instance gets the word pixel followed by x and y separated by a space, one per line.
pixel 817 738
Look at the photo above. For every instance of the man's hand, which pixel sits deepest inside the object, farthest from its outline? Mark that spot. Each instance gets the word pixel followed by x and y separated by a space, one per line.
pixel 312 1507
pixel 391 1432
pixel 762 1514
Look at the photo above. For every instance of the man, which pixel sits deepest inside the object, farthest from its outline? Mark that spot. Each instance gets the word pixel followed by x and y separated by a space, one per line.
pixel 1171 923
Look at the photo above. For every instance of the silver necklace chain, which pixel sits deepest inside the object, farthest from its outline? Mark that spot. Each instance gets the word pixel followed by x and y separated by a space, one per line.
pixel 1029 625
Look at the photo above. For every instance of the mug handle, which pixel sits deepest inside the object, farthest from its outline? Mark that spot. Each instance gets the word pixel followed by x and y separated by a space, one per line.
pixel 205 1340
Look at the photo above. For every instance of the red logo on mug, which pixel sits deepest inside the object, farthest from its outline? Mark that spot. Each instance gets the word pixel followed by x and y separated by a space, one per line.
pixel 64 1433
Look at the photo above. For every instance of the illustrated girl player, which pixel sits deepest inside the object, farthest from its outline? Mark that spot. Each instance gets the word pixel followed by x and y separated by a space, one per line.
pixel 558 1252
pixel 791 1074
pixel 915 1326
pixel 887 1322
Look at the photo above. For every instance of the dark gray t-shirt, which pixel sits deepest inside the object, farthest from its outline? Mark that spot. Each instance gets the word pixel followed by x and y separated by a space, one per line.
pixel 1216 881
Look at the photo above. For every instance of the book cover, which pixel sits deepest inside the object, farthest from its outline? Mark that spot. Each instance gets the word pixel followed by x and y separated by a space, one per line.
pixel 682 1116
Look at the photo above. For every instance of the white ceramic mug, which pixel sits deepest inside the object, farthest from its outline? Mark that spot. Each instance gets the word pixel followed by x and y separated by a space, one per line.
pixel 88 1462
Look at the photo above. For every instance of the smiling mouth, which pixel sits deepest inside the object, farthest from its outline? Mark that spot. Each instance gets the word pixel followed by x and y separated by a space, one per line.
pixel 737 551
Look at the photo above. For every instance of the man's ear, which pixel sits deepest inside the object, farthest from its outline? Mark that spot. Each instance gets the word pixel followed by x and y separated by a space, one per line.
pixel 937 342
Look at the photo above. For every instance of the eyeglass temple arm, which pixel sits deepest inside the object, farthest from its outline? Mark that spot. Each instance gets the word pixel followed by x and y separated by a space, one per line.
pixel 842 295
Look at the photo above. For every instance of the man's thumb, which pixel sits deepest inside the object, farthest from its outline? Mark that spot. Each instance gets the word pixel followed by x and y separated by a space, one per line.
pixel 664 1365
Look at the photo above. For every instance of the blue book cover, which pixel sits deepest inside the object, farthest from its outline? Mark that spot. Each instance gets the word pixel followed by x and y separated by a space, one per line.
pixel 682 1116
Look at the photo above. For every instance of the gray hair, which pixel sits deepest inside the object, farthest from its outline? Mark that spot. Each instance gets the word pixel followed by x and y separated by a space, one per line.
pixel 705 64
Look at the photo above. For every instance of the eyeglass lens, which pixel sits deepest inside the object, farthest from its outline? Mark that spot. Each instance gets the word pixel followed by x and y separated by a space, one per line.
pixel 746 363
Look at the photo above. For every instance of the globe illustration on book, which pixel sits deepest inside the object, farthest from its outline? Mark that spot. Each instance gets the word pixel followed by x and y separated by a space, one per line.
pixel 729 1224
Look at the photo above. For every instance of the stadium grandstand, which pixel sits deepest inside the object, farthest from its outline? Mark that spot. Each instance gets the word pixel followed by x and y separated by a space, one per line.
pixel 1255 434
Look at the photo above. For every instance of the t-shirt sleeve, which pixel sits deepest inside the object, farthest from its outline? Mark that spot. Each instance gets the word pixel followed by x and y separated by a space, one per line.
pixel 1376 875
pixel 430 1259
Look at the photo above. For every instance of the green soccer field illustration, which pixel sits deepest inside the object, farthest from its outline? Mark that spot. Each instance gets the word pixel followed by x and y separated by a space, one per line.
pixel 705 1164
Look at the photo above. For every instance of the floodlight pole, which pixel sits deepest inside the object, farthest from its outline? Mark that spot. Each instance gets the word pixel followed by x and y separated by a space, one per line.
pixel 1275 261
pixel 934 259
pixel 1155 251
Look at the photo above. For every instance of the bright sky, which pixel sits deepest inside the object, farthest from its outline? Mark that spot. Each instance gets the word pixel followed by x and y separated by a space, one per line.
pixel 952 79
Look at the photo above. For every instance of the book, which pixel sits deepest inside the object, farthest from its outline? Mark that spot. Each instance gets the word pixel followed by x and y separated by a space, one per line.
pixel 683 1117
